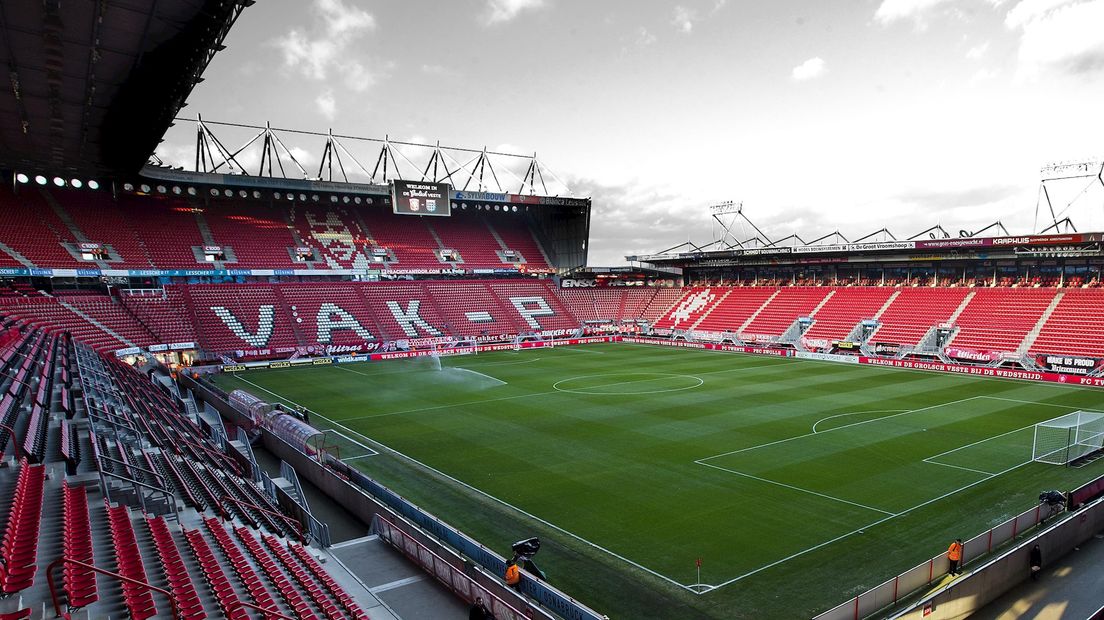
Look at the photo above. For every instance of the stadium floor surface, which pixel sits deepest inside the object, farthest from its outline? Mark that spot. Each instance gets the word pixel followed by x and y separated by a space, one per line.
pixel 797 483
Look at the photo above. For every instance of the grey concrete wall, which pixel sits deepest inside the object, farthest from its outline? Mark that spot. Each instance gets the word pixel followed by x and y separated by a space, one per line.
pixel 989 581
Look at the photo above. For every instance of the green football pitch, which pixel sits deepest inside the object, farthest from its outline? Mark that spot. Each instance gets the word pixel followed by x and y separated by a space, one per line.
pixel 797 483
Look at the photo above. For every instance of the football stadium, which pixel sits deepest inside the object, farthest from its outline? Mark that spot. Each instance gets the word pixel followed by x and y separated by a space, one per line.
pixel 383 378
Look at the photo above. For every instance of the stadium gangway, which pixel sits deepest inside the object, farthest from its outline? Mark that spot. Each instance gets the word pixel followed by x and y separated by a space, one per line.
pixel 136 484
pixel 319 531
pixel 247 448
pixel 433 563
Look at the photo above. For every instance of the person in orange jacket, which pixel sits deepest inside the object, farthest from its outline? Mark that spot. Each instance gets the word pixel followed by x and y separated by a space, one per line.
pixel 954 555
pixel 513 574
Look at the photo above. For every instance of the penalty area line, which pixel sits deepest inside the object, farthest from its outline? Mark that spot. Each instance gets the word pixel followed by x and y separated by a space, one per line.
pixel 838 428
pixel 861 529
pixel 794 488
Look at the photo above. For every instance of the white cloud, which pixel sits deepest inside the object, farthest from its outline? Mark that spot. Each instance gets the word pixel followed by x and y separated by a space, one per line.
pixel 500 11
pixel 325 50
pixel 683 19
pixel 1059 35
pixel 1029 10
pixel 890 11
pixel 644 38
pixel 810 69
pixel 982 75
pixel 327 105
pixel 894 10
pixel 976 52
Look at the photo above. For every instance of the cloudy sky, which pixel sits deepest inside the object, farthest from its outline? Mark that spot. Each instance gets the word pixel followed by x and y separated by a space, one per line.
pixel 818 115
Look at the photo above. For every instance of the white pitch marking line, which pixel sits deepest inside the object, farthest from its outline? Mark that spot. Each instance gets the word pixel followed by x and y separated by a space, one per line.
pixel 1030 402
pixel 970 445
pixel 577 350
pixel 655 376
pixel 477 365
pixel 792 487
pixel 865 527
pixel 488 495
pixel 976 471
pixel 840 415
pixel 838 428
pixel 528 395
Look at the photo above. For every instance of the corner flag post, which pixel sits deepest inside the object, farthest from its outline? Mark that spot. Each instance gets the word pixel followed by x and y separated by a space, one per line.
pixel 698 562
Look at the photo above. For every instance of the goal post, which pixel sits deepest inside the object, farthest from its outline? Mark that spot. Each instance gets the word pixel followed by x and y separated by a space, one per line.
pixel 1063 440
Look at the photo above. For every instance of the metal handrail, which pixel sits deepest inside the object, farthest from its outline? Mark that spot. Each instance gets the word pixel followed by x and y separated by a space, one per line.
pixel 137 483
pixel 407 537
pixel 11 435
pixel 91 567
pixel 237 604
pixel 303 536
pixel 159 475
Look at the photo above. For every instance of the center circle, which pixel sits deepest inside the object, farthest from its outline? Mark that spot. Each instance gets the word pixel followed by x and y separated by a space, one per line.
pixel 628 383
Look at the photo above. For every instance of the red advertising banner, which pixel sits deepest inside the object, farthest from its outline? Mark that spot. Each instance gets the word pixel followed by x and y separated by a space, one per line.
pixel 977 371
pixel 972 355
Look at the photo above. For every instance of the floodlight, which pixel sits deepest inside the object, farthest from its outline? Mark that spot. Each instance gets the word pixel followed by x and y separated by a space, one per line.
pixel 22 178
pixel 93 184
pixel 76 183
pixel 60 182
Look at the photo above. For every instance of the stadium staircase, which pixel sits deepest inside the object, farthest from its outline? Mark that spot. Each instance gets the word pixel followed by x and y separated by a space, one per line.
pixel 782 309
pixel 911 316
pixel 1033 335
pixel 709 310
pixel 1074 326
pixel 839 315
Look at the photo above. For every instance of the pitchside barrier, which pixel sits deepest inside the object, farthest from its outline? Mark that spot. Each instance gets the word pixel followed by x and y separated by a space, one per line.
pixel 957 369
pixel 968 594
pixel 551 598
pixel 924 575
pixel 398 355
pixel 900 587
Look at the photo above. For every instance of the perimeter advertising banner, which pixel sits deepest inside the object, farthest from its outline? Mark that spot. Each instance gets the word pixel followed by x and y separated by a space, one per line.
pixel 1069 365
pixel 887 348
pixel 420 198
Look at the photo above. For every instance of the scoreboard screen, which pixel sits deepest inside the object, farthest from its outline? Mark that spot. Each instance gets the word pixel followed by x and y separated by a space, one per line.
pixel 420 198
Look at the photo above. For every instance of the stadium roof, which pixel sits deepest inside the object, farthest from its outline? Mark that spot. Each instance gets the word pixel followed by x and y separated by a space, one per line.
pixel 92 86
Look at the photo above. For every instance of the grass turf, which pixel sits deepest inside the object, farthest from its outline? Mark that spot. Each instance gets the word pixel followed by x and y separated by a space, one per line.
pixel 660 456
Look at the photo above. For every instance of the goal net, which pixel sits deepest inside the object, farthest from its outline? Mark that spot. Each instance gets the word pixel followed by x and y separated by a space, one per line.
pixel 1067 438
